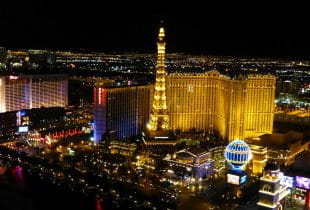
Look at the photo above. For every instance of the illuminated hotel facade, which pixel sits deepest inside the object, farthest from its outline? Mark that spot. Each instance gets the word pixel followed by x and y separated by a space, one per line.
pixel 33 91
pixel 236 107
pixel 124 110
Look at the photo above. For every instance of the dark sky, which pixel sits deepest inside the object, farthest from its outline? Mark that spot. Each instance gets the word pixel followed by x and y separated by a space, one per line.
pixel 106 28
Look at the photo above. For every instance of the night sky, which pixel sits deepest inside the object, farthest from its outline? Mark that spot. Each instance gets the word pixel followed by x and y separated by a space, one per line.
pixel 105 28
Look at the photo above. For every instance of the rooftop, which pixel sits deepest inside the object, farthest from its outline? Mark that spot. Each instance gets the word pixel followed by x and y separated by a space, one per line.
pixel 282 141
pixel 192 151
pixel 301 167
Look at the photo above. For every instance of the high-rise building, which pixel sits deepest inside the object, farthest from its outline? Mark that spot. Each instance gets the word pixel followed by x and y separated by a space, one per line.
pixel 33 91
pixel 236 107
pixel 288 87
pixel 159 118
pixel 3 55
pixel 124 110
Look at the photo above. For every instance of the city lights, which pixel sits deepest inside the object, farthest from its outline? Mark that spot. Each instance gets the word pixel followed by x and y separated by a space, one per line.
pixel 113 121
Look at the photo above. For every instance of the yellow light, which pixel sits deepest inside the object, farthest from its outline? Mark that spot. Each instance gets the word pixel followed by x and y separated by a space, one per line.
pixel 170 171
pixel 161 32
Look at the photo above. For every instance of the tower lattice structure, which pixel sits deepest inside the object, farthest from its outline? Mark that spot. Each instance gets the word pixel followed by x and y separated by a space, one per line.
pixel 159 118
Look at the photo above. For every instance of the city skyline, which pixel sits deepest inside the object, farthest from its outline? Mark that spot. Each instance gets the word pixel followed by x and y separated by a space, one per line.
pixel 119 29
pixel 82 129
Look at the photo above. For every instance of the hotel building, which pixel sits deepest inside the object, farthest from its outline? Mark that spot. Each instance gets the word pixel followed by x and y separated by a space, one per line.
pixel 33 91
pixel 236 107
pixel 124 110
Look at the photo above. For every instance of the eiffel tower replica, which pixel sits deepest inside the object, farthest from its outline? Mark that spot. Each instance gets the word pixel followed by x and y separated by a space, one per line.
pixel 158 126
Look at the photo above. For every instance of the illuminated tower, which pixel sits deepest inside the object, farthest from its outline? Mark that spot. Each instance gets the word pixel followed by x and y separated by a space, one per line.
pixel 159 118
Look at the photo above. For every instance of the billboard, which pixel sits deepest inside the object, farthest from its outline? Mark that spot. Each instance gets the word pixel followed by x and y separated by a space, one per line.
pixel 233 179
pixel 303 182
pixel 243 179
pixel 300 194
pixel 19 116
pixel 23 129
pixel 287 181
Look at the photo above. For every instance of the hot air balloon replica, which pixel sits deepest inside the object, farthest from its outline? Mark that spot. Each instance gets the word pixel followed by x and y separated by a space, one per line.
pixel 237 154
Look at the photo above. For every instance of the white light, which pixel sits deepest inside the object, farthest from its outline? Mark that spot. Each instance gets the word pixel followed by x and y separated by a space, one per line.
pixel 232 179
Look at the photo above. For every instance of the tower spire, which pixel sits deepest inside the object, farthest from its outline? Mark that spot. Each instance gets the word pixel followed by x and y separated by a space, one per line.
pixel 159 118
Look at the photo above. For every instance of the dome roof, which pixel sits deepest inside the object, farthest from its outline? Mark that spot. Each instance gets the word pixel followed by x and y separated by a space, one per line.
pixel 237 153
